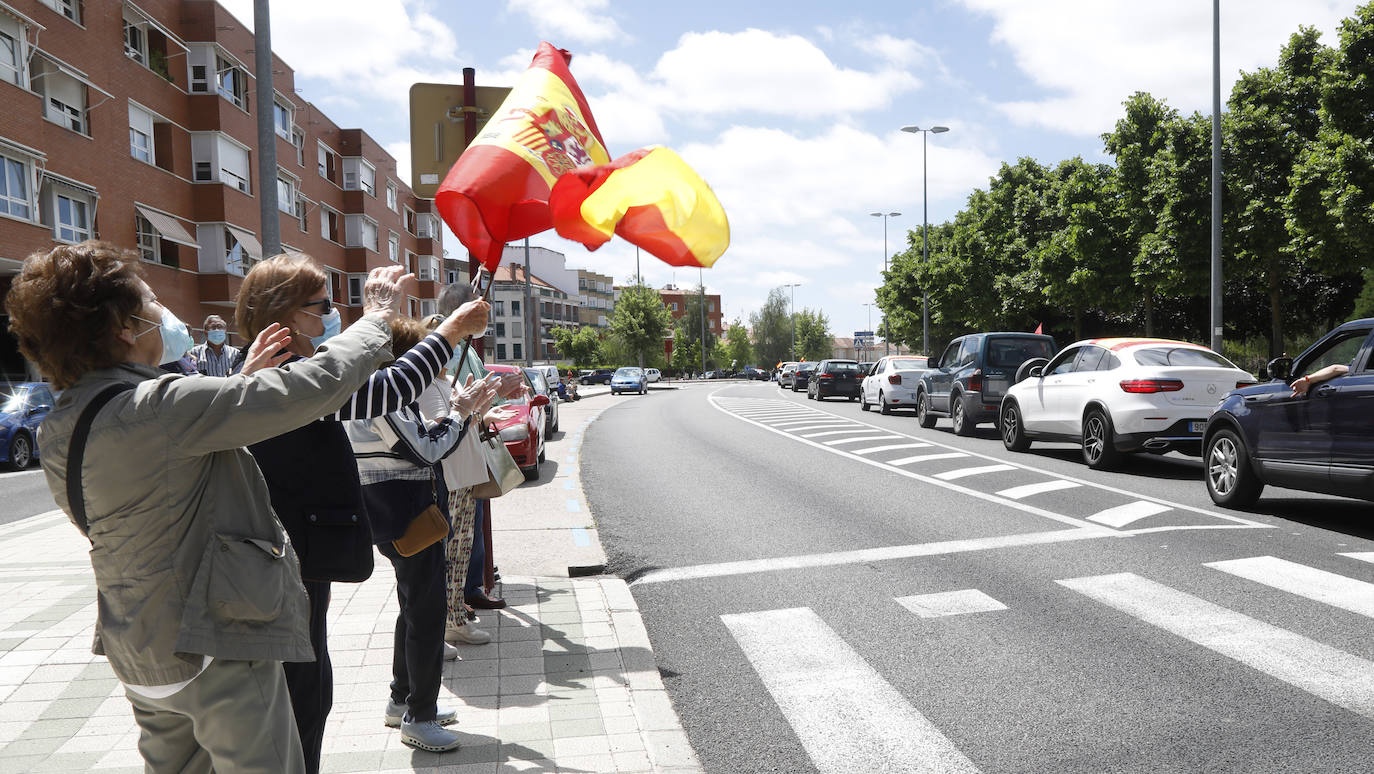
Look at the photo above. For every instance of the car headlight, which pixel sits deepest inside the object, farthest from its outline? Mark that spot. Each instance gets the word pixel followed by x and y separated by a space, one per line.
pixel 515 433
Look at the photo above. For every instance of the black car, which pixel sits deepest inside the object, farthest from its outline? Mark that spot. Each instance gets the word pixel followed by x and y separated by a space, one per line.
pixel 835 378
pixel 968 381
pixel 598 376
pixel 802 377
pixel 1320 442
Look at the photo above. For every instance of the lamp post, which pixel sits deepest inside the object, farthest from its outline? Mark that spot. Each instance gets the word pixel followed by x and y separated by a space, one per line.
pixel 870 318
pixel 885 216
pixel 792 314
pixel 925 247
pixel 1216 178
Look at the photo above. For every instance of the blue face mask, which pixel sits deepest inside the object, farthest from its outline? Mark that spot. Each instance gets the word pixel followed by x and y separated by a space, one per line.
pixel 215 337
pixel 333 323
pixel 176 337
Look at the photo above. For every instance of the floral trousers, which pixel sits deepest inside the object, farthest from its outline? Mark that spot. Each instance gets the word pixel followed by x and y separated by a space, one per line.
pixel 462 508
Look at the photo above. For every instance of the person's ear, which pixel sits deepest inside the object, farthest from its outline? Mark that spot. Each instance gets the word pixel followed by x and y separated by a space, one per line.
pixel 126 334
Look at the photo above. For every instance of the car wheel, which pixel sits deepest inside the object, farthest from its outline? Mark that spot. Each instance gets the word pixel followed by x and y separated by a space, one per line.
pixel 959 416
pixel 1013 433
pixel 1099 449
pixel 21 451
pixel 863 401
pixel 923 417
pixel 883 408
pixel 531 474
pixel 1231 481
pixel 542 457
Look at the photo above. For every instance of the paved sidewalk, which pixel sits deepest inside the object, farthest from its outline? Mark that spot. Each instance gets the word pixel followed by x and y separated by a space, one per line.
pixel 567 684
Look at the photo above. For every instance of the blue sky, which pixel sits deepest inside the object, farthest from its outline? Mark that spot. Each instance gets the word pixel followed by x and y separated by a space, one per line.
pixel 792 110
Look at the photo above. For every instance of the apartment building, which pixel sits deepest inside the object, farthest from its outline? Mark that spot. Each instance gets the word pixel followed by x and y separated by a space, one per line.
pixel 678 302
pixel 549 308
pixel 135 123
pixel 596 294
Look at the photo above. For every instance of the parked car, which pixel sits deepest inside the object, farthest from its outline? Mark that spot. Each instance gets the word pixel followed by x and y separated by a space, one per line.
pixel 653 375
pixel 969 379
pixel 523 433
pixel 23 407
pixel 891 383
pixel 834 378
pixel 1119 396
pixel 598 376
pixel 1320 442
pixel 542 386
pixel 789 369
pixel 754 372
pixel 802 376
pixel 629 379
pixel 551 373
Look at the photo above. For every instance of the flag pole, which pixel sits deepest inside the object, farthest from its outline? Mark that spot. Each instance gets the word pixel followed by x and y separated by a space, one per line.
pixel 467 342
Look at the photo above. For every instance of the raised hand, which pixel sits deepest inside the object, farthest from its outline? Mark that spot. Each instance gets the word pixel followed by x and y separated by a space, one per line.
pixel 268 350
pixel 470 319
pixel 384 290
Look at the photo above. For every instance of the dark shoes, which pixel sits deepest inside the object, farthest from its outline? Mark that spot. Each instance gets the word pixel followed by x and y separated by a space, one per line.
pixel 481 601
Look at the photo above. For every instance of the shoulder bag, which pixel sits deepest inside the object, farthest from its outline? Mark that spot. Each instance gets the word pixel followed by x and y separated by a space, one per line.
pixel 503 474
pixel 426 529
pixel 76 453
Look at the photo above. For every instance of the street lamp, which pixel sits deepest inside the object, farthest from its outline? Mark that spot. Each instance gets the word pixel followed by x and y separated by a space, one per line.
pixel 792 313
pixel 925 248
pixel 885 216
pixel 870 318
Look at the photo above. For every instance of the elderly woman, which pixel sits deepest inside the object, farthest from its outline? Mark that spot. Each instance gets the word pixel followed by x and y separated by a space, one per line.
pixel 199 592
pixel 310 471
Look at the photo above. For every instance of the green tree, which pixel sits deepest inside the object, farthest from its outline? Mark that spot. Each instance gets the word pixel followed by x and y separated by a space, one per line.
pixel 814 340
pixel 690 323
pixel 772 329
pixel 640 322
pixel 582 346
pixel 739 352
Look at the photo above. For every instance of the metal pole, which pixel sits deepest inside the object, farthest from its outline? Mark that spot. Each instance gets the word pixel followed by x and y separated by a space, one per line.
pixel 470 134
pixel 792 315
pixel 701 279
pixel 529 335
pixel 1216 176
pixel 267 134
pixel 639 278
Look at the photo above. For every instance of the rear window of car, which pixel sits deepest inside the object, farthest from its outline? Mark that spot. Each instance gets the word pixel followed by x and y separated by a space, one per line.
pixel 1009 352
pixel 1180 356
pixel 905 363
pixel 843 368
pixel 806 367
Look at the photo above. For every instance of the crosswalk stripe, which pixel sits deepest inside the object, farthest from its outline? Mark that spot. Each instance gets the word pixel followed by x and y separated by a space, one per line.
pixel 925 458
pixel 1363 556
pixel 1122 515
pixel 1323 671
pixel 817 427
pixel 1020 492
pixel 891 447
pixel 950 603
pixel 805 420
pixel 847 717
pixel 1357 596
pixel 860 439
pixel 838 432
pixel 977 471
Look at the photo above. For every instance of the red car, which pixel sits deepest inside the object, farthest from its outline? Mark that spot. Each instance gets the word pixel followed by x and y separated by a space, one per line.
pixel 524 432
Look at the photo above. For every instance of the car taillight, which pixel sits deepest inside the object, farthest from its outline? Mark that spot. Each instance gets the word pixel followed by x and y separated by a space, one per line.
pixel 975 381
pixel 826 376
pixel 894 379
pixel 1146 386
pixel 1240 385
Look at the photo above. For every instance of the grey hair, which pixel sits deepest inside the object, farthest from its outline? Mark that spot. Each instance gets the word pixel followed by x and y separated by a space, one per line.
pixel 214 318
pixel 454 296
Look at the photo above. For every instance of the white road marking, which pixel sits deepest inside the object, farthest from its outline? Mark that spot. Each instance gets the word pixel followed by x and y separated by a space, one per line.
pixel 861 439
pixel 831 422
pixel 815 427
pixel 978 471
pixel 950 603
pixel 1122 515
pixel 847 717
pixel 1019 492
pixel 838 432
pixel 863 555
pixel 1321 670
pixel 1363 556
pixel 927 458
pixel 892 447
pixel 1357 596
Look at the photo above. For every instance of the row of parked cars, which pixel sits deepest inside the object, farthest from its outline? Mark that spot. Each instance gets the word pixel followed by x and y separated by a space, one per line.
pixel 1120 396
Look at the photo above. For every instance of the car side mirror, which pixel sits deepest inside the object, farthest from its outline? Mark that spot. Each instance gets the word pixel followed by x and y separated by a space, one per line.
pixel 1280 368
pixel 539 400
pixel 39 409
pixel 1036 372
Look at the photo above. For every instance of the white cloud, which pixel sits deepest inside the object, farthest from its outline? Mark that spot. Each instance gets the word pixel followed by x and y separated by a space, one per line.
pixel 1089 56
pixel 582 20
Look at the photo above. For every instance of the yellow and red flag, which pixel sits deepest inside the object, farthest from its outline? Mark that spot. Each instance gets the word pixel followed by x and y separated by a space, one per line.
pixel 498 191
pixel 652 199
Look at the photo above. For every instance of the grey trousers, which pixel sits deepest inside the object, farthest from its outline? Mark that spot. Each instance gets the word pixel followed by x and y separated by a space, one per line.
pixel 234 718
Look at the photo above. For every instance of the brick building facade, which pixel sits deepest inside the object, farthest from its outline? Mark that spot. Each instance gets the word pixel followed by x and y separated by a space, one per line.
pixel 135 123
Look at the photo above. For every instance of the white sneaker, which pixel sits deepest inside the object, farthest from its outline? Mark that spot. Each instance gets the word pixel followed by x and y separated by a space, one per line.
pixel 450 652
pixel 467 634
pixel 395 713
pixel 427 735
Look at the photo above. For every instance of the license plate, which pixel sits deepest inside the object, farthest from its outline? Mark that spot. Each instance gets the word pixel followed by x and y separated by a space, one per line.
pixel 1197 427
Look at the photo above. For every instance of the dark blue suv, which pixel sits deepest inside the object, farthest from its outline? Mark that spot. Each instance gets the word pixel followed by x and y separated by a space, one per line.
pixel 23 406
pixel 1320 442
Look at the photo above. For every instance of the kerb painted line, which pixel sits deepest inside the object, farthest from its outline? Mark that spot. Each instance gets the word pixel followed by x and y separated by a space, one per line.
pixel 1357 596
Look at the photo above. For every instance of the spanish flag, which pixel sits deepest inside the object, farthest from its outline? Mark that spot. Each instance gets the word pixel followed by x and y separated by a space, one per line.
pixel 498 191
pixel 652 199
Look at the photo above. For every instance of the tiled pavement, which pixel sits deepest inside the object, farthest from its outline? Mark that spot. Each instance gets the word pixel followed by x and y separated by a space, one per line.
pixel 567 684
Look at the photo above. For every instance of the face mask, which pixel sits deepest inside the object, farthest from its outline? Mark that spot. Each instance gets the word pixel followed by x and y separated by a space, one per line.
pixel 176 337
pixel 215 336
pixel 332 325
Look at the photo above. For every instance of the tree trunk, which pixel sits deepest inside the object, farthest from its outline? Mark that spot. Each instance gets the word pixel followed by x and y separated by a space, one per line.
pixel 1275 312
pixel 1149 313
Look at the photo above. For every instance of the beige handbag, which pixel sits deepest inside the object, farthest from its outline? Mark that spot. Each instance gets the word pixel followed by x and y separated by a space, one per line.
pixel 503 474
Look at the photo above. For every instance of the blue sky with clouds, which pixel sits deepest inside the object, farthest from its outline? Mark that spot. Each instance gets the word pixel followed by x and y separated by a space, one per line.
pixel 792 110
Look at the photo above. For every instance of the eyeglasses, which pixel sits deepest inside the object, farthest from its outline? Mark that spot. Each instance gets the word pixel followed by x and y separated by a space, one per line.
pixel 325 304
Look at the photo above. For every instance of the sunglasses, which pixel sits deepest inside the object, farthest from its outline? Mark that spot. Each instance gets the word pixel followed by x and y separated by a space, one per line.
pixel 326 305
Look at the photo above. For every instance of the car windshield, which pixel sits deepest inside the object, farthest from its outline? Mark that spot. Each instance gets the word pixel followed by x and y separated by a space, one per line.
pixel 843 368
pixel 1012 352
pixel 629 372
pixel 903 363
pixel 12 398
pixel 1180 356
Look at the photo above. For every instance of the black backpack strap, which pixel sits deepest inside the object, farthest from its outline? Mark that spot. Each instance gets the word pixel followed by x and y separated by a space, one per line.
pixel 77 451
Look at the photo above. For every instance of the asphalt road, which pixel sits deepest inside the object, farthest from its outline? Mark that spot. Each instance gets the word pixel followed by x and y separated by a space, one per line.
pixel 24 493
pixel 948 606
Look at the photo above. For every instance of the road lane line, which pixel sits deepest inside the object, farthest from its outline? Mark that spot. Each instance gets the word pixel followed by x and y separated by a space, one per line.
pixel 847 717
pixel 1122 515
pixel 864 555
pixel 892 447
pixel 977 471
pixel 926 458
pixel 861 439
pixel 815 427
pixel 1357 596
pixel 1363 556
pixel 950 603
pixel 837 432
pixel 1338 677
pixel 1019 492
